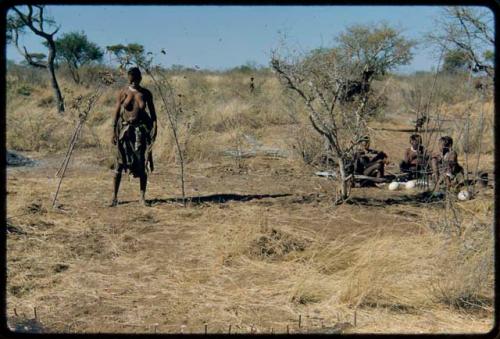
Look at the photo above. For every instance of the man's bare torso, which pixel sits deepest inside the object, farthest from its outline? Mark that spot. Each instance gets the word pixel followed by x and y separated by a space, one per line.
pixel 134 102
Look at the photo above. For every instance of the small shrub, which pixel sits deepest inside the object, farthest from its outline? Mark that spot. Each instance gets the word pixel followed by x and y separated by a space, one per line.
pixel 276 244
pixel 466 277
pixel 25 90
pixel 46 101
pixel 307 145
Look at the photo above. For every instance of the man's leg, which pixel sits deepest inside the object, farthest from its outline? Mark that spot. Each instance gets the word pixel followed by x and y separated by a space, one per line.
pixel 375 169
pixel 143 183
pixel 403 166
pixel 381 168
pixel 116 185
pixel 435 174
pixel 435 169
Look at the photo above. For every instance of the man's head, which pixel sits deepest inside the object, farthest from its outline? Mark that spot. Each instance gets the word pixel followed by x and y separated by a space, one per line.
pixel 445 142
pixel 364 141
pixel 134 76
pixel 415 140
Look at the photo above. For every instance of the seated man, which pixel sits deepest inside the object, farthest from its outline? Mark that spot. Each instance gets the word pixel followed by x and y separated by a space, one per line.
pixel 367 161
pixel 445 166
pixel 415 157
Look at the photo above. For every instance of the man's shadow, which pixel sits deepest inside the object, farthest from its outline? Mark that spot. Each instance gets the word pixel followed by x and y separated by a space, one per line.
pixel 422 198
pixel 212 198
pixel 409 130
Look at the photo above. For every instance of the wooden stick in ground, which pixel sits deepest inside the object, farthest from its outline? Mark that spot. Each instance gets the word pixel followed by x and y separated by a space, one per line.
pixel 67 152
pixel 71 147
pixel 173 123
pixel 479 139
pixel 467 129
pixel 82 117
pixel 72 144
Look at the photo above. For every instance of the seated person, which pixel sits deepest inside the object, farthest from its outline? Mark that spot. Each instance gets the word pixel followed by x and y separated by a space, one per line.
pixel 369 162
pixel 445 166
pixel 415 157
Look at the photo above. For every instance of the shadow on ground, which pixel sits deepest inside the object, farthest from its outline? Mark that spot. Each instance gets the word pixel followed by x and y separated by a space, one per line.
pixel 212 198
pixel 410 130
pixel 417 199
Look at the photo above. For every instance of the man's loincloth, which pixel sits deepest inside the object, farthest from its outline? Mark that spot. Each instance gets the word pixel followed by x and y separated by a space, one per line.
pixel 134 149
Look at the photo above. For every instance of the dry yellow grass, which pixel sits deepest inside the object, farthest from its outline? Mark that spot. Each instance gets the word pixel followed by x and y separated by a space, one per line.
pixel 252 262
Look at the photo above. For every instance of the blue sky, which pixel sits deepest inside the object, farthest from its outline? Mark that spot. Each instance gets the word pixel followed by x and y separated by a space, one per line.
pixel 221 37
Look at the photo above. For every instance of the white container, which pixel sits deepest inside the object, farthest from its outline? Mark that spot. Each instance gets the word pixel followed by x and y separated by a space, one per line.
pixel 411 184
pixel 394 186
pixel 463 195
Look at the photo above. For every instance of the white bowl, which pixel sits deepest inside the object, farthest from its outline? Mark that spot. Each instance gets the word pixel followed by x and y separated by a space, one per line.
pixel 463 195
pixel 393 186
pixel 411 184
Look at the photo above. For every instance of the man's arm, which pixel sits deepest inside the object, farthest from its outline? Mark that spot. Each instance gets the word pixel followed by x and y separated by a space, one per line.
pixel 424 154
pixel 453 157
pixel 379 155
pixel 452 161
pixel 406 156
pixel 152 113
pixel 116 116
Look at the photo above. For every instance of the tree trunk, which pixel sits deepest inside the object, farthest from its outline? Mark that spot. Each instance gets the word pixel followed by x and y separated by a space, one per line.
pixel 53 80
pixel 344 189
pixel 73 68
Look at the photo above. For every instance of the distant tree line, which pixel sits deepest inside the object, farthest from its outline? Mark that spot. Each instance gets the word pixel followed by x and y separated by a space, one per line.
pixel 465 35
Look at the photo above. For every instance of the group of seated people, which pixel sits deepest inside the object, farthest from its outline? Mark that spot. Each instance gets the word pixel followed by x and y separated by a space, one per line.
pixel 417 161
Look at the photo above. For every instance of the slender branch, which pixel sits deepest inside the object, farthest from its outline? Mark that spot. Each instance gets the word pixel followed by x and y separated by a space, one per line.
pixel 289 81
pixel 40 17
pixel 28 21
pixel 25 53
pixel 328 136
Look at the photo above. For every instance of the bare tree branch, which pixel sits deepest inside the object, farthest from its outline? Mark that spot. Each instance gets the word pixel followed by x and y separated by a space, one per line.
pixel 335 87
pixel 29 21
pixel 468 30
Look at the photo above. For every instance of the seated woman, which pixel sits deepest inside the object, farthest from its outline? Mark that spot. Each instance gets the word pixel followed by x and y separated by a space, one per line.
pixel 415 157
pixel 445 166
pixel 368 161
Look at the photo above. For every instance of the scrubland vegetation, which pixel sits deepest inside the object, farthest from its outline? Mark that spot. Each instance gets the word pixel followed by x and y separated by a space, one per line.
pixel 260 243
pixel 402 267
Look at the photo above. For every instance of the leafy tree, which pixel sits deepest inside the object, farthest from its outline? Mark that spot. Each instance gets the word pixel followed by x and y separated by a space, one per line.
pixel 334 85
pixel 177 68
pixel 37 22
pixel 76 50
pixel 469 30
pixel 379 48
pixel 126 55
pixel 489 56
pixel 248 67
pixel 14 26
pixel 456 61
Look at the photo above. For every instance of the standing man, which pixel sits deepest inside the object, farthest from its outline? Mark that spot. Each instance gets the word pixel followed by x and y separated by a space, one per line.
pixel 134 132
pixel 252 85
